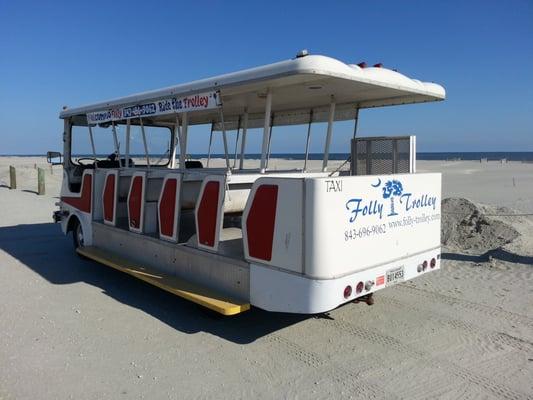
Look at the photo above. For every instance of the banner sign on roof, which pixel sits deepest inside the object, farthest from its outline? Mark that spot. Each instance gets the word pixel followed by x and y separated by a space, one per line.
pixel 197 102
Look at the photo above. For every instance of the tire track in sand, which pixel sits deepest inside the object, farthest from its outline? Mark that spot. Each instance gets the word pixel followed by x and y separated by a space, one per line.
pixel 351 380
pixel 488 336
pixel 469 305
pixel 374 337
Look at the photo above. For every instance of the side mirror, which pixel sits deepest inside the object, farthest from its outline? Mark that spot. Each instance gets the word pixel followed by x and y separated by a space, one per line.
pixel 54 158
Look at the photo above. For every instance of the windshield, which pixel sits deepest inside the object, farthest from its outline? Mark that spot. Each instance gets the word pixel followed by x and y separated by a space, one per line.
pixel 158 142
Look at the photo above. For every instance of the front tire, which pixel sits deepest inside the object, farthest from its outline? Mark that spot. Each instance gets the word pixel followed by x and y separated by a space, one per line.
pixel 78 238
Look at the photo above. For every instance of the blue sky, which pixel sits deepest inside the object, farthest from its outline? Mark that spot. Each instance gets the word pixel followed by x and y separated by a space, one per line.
pixel 73 53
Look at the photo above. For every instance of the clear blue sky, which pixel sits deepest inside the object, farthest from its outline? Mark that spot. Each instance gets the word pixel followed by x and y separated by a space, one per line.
pixel 73 53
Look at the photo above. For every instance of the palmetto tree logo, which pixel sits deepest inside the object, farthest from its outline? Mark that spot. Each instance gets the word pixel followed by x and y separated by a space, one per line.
pixel 392 189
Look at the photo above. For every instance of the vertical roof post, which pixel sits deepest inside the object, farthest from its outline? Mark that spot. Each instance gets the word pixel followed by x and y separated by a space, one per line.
pixel 237 142
pixel 224 138
pixel 331 118
pixel 266 130
pixel 92 140
pixel 270 139
pixel 175 141
pixel 183 140
pixel 145 143
pixel 243 140
pixel 356 120
pixel 115 139
pixel 128 138
pixel 210 142
pixel 308 139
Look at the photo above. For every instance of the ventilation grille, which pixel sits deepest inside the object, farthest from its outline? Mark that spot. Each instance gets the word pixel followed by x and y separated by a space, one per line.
pixel 383 155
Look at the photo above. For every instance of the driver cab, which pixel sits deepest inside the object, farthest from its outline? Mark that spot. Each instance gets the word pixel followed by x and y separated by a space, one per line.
pixel 102 147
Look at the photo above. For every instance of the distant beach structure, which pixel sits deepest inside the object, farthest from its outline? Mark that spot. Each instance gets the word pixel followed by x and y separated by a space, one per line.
pixel 524 156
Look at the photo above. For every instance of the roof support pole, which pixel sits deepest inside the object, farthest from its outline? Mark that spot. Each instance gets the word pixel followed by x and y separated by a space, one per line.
pixel 210 143
pixel 92 140
pixel 145 143
pixel 115 139
pixel 308 139
pixel 243 140
pixel 128 138
pixel 225 138
pixel 183 140
pixel 175 141
pixel 266 129
pixel 237 142
pixel 270 139
pixel 356 120
pixel 331 118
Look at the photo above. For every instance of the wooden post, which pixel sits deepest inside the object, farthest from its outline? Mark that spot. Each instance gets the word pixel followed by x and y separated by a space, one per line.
pixel 40 182
pixel 12 177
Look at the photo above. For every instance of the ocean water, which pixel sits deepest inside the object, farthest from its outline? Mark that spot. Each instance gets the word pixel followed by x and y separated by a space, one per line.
pixel 511 156
pixel 490 155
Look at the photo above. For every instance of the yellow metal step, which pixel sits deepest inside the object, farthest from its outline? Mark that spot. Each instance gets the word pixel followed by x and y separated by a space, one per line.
pixel 195 293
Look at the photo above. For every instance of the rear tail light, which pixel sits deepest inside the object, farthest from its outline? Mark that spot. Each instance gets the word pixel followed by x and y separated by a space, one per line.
pixel 347 291
pixel 359 287
pixel 432 263
pixel 362 65
pixel 378 65
pixel 424 265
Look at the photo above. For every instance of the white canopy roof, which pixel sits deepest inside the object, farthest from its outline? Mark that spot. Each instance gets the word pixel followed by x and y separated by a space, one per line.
pixel 297 86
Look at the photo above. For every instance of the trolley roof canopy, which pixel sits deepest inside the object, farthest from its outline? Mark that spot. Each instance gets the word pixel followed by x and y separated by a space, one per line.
pixel 296 86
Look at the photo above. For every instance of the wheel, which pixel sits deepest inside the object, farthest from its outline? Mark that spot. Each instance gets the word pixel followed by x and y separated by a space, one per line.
pixel 78 238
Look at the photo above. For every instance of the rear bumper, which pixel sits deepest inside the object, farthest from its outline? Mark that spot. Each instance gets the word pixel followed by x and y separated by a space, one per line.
pixel 275 290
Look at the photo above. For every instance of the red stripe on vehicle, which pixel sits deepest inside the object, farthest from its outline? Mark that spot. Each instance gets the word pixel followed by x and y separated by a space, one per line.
pixel 167 207
pixel 109 198
pixel 83 202
pixel 208 213
pixel 261 222
pixel 135 202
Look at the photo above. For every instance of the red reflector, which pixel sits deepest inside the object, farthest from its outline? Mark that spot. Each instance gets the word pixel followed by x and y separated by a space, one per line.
pixel 433 263
pixel 380 280
pixel 347 291
pixel 424 265
pixel 359 287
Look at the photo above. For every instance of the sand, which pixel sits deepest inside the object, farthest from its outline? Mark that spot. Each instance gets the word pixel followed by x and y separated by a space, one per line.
pixel 72 328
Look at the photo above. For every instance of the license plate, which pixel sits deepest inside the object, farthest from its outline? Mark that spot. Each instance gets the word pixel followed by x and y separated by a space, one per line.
pixel 395 275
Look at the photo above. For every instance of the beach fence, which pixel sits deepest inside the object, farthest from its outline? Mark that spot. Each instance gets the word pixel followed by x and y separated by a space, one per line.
pixel 501 160
pixel 12 177
pixel 41 187
pixel 40 182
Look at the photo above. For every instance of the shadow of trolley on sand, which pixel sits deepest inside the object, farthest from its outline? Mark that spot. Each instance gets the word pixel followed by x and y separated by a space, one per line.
pixel 44 249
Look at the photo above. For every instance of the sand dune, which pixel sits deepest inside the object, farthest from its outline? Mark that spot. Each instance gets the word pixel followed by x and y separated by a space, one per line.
pixel 72 328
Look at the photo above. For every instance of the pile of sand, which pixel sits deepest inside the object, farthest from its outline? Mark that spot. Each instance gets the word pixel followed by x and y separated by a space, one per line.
pixel 466 228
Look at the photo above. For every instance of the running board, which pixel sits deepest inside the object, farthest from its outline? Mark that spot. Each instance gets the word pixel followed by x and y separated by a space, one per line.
pixel 195 293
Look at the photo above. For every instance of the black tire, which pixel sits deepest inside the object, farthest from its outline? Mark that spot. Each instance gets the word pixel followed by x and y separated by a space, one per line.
pixel 77 237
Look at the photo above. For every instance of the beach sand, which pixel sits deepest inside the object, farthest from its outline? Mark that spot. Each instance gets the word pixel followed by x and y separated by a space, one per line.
pixel 72 328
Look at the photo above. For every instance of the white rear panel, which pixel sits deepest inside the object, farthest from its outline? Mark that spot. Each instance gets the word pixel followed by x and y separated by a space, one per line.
pixel 357 222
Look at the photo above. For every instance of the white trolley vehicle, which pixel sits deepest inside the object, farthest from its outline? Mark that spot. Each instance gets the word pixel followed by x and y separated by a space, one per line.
pixel 226 238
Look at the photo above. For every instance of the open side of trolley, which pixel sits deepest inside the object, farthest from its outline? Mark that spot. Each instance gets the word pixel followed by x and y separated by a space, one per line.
pixel 293 241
